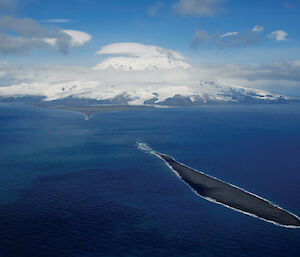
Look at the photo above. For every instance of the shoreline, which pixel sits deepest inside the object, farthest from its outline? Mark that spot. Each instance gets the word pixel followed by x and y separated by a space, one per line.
pixel 231 196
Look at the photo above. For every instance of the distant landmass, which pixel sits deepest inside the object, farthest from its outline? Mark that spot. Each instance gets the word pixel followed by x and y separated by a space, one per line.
pixel 204 93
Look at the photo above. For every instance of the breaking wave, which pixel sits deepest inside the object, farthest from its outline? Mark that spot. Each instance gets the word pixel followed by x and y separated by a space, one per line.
pixel 145 147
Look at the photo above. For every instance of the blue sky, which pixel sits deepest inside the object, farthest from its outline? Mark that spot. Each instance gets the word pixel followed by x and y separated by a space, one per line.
pixel 249 35
pixel 111 21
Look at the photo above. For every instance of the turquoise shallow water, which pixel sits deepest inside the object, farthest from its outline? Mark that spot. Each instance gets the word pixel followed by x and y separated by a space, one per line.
pixel 71 187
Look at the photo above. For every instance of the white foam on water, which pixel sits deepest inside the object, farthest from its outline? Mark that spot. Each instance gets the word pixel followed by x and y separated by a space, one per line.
pixel 145 147
pixel 86 117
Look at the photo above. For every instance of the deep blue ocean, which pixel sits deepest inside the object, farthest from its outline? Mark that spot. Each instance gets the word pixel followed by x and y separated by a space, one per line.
pixel 75 187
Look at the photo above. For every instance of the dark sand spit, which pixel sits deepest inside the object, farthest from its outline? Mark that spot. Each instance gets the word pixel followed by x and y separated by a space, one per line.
pixel 90 110
pixel 231 196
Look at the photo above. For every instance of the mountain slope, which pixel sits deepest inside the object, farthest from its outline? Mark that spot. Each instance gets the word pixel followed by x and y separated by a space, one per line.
pixel 171 95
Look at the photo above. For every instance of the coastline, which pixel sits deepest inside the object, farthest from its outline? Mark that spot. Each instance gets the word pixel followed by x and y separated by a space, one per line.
pixel 231 196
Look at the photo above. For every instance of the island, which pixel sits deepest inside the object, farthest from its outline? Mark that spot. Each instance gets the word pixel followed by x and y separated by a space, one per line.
pixel 231 196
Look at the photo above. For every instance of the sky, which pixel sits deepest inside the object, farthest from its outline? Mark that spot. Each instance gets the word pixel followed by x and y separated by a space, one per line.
pixel 255 43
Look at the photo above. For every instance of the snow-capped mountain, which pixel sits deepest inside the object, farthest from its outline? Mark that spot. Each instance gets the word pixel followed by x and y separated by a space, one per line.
pixel 139 75
pixel 164 95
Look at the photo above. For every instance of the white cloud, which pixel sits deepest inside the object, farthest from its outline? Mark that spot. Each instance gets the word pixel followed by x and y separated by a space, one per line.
pixel 29 35
pixel 250 75
pixel 138 50
pixel 227 40
pixel 279 35
pixel 79 38
pixel 58 20
pixel 50 41
pixel 229 34
pixel 252 36
pixel 258 28
pixel 198 7
pixel 140 57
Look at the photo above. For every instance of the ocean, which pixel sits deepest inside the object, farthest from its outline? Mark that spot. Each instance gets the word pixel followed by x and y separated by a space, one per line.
pixel 75 187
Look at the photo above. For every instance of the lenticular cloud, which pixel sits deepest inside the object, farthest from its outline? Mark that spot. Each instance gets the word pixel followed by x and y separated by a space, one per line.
pixel 134 56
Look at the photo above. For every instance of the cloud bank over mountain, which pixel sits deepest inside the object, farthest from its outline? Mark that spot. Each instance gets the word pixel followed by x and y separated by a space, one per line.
pixel 142 77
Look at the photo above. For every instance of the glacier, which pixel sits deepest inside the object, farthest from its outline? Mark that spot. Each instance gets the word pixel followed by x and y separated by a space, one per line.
pixel 138 75
pixel 203 92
